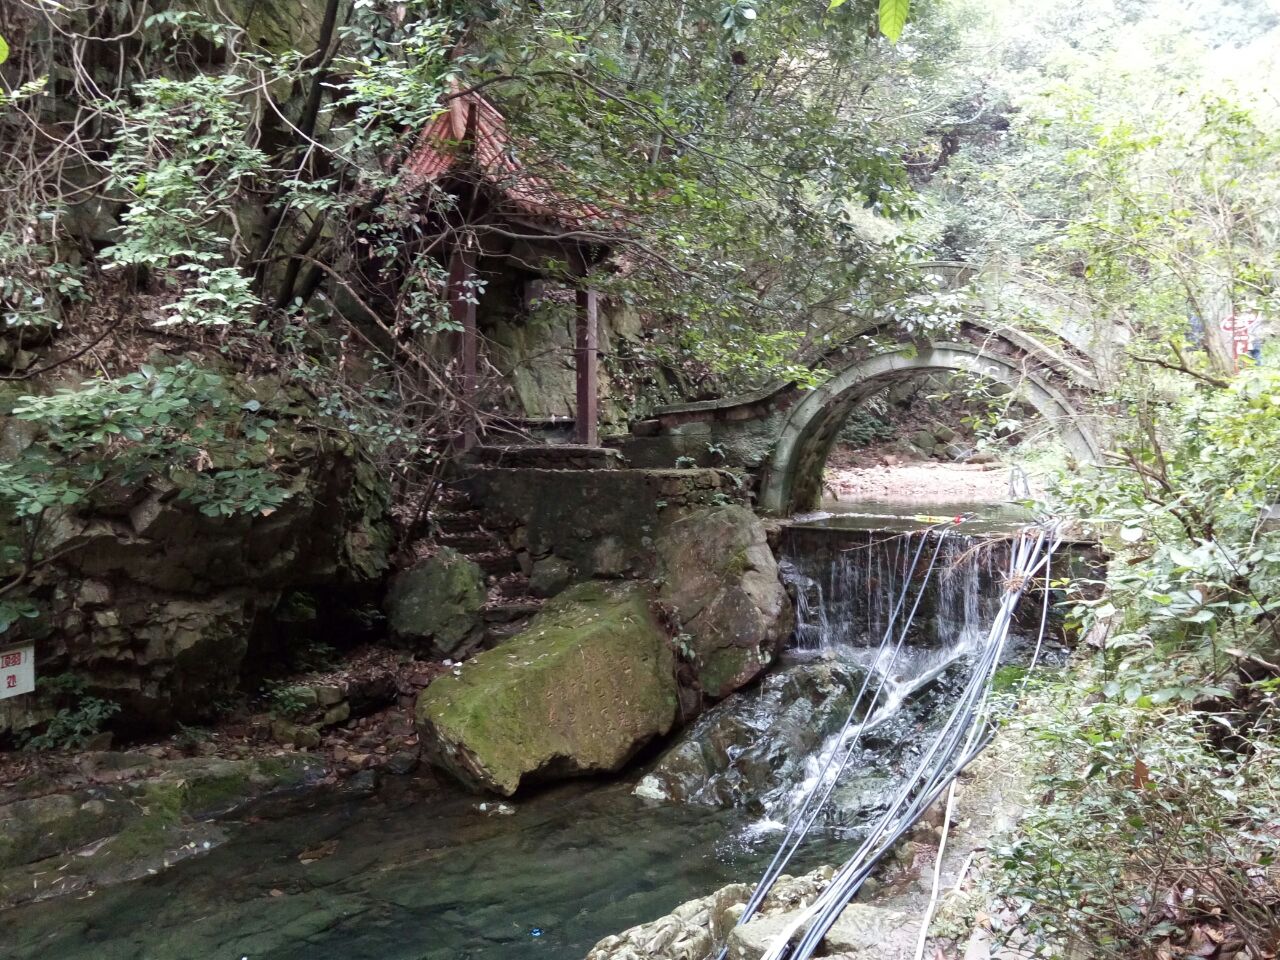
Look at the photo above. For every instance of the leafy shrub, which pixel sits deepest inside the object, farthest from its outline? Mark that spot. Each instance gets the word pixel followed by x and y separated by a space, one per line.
pixel 1144 828
pixel 286 700
pixel 73 726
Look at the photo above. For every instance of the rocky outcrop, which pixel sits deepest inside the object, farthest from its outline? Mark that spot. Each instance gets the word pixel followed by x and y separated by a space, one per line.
pixel 159 607
pixel 697 929
pixel 580 690
pixel 720 577
pixel 437 601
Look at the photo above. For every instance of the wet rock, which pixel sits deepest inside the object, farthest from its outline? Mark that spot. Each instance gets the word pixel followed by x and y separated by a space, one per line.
pixel 363 783
pixel 862 932
pixel 749 748
pixel 721 578
pixel 402 762
pixel 710 922
pixel 137 815
pixel 437 600
pixel 585 685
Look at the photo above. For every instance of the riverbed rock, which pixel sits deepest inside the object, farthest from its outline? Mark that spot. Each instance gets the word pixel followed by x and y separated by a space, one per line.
pixel 437 601
pixel 751 747
pixel 578 691
pixel 55 843
pixel 862 932
pixel 720 577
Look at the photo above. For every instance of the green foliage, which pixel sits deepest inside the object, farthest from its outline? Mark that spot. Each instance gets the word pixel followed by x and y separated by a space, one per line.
pixel 74 725
pixel 1143 824
pixel 286 700
pixel 178 420
pixel 185 156
pixel 1189 503
pixel 893 17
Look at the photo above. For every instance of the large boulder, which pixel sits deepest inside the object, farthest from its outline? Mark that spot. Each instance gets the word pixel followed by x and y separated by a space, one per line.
pixel 720 577
pixel 438 600
pixel 579 691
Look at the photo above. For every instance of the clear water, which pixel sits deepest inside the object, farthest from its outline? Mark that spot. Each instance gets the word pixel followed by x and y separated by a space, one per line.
pixel 410 877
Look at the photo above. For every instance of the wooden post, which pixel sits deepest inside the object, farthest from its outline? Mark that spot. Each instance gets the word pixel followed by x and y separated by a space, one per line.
pixel 586 429
pixel 462 309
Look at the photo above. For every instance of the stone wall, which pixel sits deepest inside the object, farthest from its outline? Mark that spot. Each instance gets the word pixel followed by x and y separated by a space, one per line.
pixel 600 523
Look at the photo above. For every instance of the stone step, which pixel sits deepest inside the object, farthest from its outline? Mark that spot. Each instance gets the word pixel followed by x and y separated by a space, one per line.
pixel 473 541
pixel 497 563
pixel 549 456
pixel 510 609
pixel 515 587
pixel 463 521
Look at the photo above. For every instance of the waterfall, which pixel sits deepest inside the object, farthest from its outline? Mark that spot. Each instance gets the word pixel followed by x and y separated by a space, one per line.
pixel 846 584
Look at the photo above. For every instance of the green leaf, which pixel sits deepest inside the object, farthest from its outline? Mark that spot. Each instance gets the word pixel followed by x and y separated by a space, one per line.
pixel 4 50
pixel 893 17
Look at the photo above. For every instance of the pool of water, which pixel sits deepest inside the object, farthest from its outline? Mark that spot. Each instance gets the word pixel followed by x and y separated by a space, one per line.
pixel 900 515
pixel 406 875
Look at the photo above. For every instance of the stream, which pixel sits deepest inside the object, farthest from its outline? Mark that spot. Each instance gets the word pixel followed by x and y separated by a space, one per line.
pixel 404 875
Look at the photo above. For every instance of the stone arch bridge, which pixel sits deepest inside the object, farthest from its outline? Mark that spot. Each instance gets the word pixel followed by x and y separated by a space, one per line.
pixel 782 435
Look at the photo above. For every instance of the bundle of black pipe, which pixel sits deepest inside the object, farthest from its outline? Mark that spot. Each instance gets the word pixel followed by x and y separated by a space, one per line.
pixel 966 729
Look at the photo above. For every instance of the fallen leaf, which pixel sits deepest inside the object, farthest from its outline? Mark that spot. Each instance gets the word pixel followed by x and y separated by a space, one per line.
pixel 317 853
pixel 1141 774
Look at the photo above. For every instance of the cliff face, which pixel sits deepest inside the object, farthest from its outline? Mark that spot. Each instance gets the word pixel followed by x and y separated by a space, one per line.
pixel 161 608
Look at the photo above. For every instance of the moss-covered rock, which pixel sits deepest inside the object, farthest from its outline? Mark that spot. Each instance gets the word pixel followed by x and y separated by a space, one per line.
pixel 721 578
pixel 138 813
pixel 580 690
pixel 437 600
pixel 157 607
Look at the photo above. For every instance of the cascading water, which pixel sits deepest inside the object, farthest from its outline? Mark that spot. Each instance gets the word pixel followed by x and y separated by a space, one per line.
pixel 765 750
pixel 868 575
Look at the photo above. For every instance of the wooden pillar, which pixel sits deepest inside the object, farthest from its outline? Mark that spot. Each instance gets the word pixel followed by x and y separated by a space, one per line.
pixel 462 310
pixel 586 429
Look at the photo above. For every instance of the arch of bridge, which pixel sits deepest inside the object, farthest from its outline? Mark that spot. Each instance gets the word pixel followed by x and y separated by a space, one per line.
pixel 791 478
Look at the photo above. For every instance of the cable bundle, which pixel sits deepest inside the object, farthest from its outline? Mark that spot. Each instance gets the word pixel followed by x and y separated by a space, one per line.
pixel 966 732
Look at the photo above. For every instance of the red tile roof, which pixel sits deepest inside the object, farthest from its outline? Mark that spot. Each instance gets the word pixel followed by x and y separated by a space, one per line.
pixel 443 146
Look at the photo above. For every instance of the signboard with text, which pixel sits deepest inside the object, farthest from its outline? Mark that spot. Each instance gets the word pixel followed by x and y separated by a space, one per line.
pixel 1240 328
pixel 17 670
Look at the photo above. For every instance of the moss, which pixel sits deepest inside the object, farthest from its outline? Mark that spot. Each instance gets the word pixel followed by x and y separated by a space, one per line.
pixel 588 682
pixel 726 669
pixel 438 598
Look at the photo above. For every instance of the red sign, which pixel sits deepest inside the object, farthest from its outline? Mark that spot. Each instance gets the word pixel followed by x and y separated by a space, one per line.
pixel 1240 327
